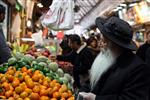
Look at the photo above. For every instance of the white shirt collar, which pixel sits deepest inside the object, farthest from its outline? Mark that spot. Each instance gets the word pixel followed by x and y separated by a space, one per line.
pixel 81 48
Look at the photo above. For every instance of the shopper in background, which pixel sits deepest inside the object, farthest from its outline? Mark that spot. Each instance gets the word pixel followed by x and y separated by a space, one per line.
pixel 117 73
pixel 93 46
pixel 64 45
pixel 4 49
pixel 141 52
pixel 81 58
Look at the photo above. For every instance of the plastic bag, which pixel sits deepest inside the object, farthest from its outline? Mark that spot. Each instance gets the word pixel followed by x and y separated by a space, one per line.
pixel 51 18
pixel 38 38
pixel 60 15
pixel 67 15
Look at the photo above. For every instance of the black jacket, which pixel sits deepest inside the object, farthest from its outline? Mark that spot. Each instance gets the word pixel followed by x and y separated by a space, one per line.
pixel 141 52
pixel 82 62
pixel 127 79
pixel 4 49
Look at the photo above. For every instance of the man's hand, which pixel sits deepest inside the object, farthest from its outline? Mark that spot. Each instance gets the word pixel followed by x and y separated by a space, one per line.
pixel 87 96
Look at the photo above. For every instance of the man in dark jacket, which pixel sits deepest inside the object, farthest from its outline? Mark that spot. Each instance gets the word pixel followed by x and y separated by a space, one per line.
pixel 81 58
pixel 117 73
pixel 4 49
pixel 141 52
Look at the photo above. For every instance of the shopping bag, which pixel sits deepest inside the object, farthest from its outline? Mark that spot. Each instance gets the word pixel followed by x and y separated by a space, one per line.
pixel 66 20
pixel 52 16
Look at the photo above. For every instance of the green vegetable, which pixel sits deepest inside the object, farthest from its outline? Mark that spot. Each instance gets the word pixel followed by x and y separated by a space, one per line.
pixel 2 70
pixel 18 55
pixel 12 61
pixel 43 64
pixel 42 59
pixel 60 72
pixel 68 76
pixel 53 66
pixel 45 70
pixel 29 57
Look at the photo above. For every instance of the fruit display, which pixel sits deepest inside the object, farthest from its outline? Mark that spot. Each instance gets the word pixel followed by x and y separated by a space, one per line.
pixel 35 52
pixel 27 84
pixel 66 66
pixel 41 63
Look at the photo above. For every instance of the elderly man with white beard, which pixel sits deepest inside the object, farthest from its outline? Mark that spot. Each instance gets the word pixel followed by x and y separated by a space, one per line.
pixel 117 73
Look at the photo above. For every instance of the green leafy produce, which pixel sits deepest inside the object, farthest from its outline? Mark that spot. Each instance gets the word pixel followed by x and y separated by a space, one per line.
pixel 41 59
pixel 12 61
pixel 60 72
pixel 53 66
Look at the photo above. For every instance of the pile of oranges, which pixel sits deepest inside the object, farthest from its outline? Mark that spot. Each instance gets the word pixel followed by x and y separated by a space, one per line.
pixel 28 85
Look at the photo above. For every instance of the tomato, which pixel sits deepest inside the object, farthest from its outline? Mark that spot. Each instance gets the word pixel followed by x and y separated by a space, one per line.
pixel 19 89
pixel 2 91
pixel 15 95
pixel 23 94
pixel 9 93
pixel 63 88
pixel 34 96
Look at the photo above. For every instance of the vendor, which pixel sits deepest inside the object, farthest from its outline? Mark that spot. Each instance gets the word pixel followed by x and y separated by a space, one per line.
pixel 4 48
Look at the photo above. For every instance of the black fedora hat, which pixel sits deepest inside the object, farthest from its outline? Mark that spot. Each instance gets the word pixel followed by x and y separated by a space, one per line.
pixel 118 31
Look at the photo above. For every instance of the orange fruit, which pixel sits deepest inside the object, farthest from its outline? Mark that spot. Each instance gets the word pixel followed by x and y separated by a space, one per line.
pixel 43 87
pixel 6 86
pixel 9 93
pixel 45 83
pixel 53 99
pixel 15 82
pixel 15 95
pixel 11 98
pixel 3 97
pixel 10 78
pixel 20 77
pixel 35 78
pixel 63 88
pixel 27 98
pixel 29 72
pixel 19 99
pixel 71 98
pixel 40 81
pixel 44 98
pixel 29 91
pixel 56 95
pixel 69 93
pixel 3 79
pixel 23 85
pixel 65 95
pixel 62 99
pixel 34 96
pixel 30 84
pixel 18 89
pixel 24 69
pixel 23 94
pixel 36 89
pixel 37 72
pixel 43 92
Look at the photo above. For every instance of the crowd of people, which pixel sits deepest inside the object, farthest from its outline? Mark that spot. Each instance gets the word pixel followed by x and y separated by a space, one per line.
pixel 103 68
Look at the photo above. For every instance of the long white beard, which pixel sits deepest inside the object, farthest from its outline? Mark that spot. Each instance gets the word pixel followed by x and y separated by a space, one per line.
pixel 101 64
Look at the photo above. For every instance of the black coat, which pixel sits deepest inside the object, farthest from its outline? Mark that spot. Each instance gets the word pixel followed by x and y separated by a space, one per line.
pixel 4 49
pixel 82 62
pixel 141 52
pixel 127 79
